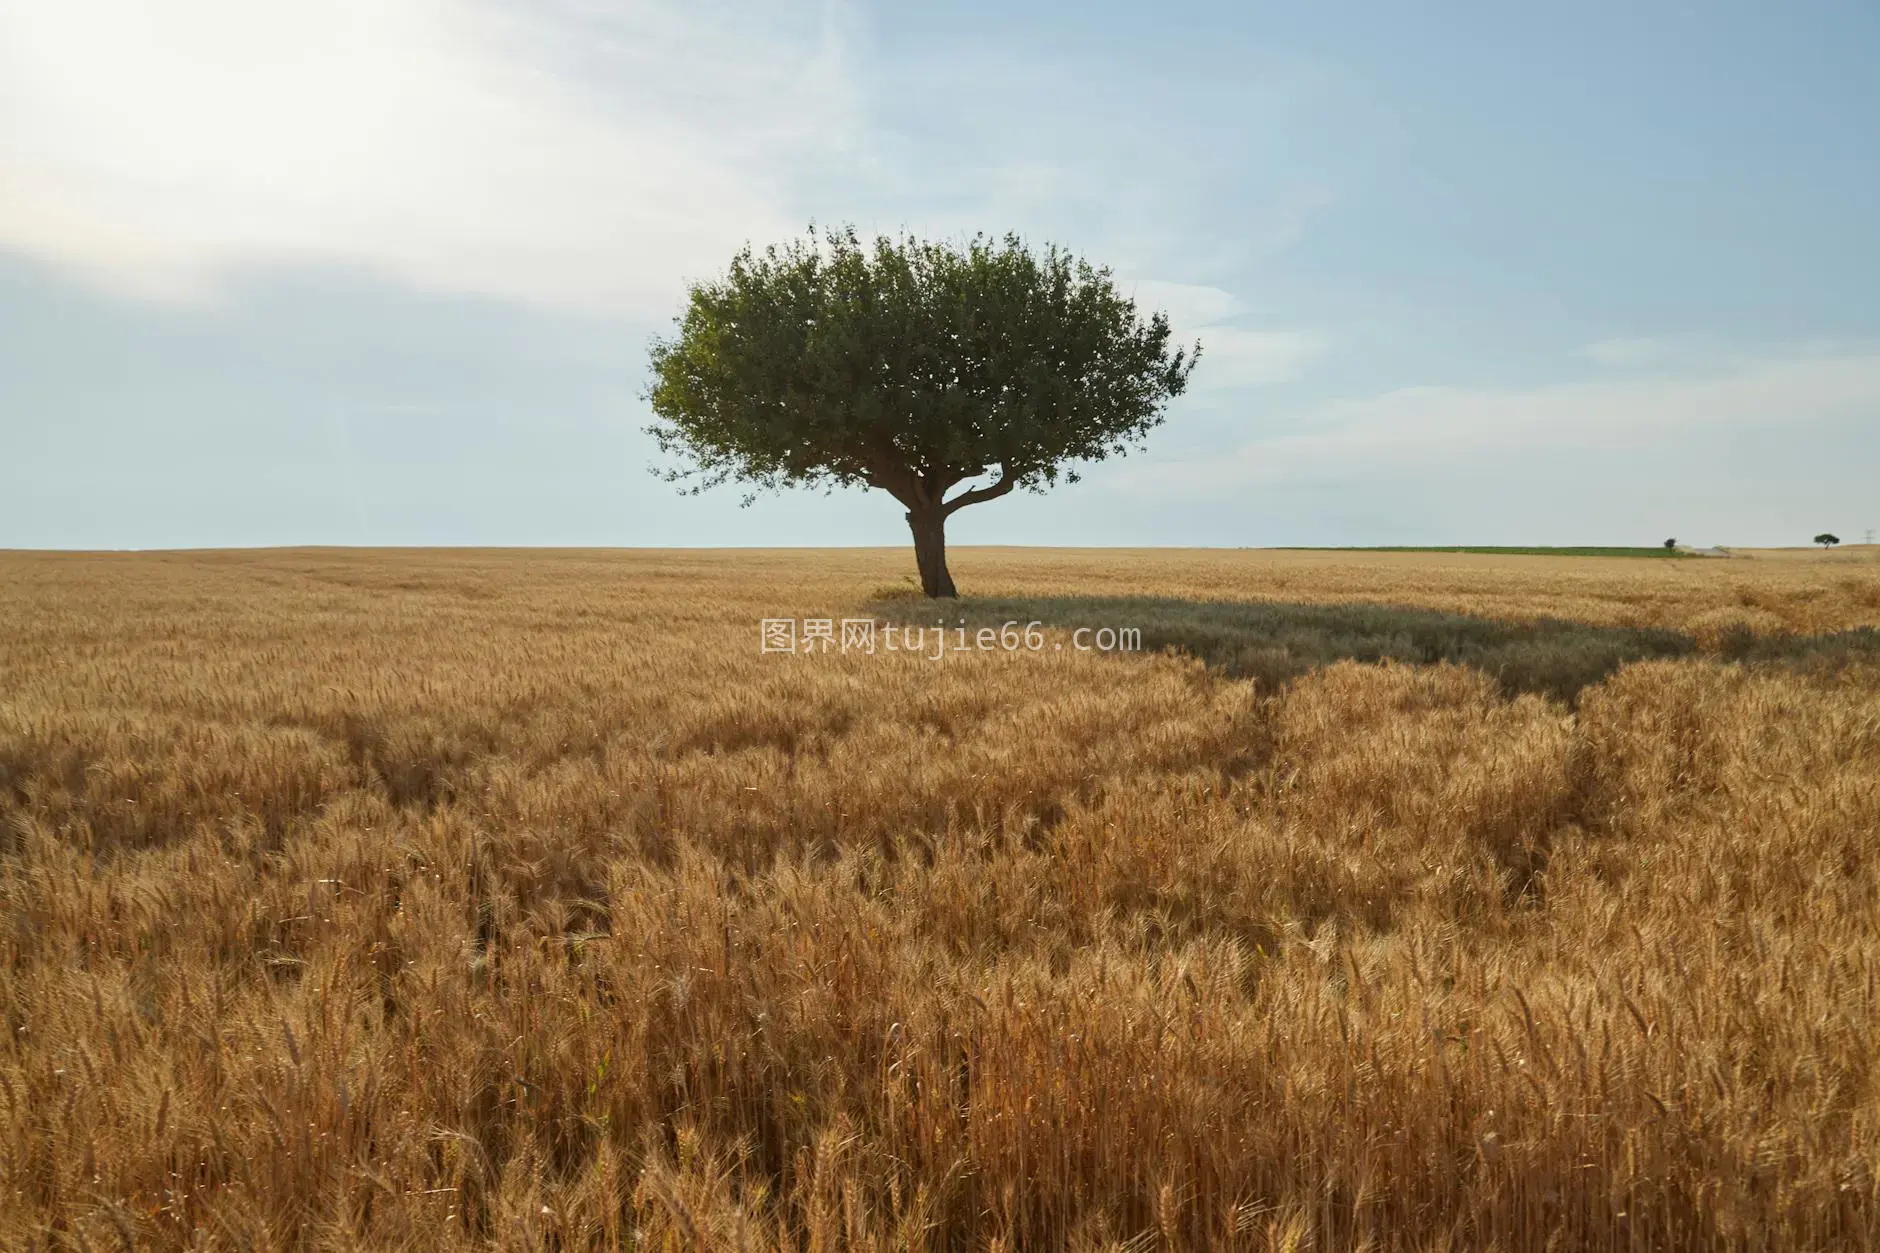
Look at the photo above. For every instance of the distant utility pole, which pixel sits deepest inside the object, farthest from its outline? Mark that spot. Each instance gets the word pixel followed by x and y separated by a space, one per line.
pixel 1870 535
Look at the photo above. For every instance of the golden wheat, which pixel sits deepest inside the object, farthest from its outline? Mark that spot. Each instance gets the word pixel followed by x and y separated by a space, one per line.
pixel 516 900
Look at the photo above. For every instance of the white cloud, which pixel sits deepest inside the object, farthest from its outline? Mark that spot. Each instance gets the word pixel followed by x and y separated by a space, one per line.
pixel 1635 351
pixel 1233 358
pixel 1411 429
pixel 1187 304
pixel 581 154
pixel 575 154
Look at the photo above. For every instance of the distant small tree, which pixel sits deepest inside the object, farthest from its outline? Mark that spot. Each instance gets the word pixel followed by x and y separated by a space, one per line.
pixel 913 367
pixel 1671 545
pixel 1827 539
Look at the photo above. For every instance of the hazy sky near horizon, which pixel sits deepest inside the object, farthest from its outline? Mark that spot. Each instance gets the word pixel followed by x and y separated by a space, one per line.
pixel 385 271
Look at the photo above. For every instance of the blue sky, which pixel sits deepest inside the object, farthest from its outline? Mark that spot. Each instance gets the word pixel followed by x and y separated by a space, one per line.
pixel 377 272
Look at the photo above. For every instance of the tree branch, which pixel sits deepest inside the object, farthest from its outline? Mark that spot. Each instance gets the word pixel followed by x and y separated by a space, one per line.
pixel 979 495
pixel 897 482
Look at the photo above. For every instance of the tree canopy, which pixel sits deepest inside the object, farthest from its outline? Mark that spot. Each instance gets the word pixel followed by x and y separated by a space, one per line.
pixel 910 366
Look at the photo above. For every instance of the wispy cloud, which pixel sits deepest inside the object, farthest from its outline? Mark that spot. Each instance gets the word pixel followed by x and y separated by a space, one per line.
pixel 1188 305
pixel 1634 351
pixel 1410 430
pixel 571 154
pixel 1233 357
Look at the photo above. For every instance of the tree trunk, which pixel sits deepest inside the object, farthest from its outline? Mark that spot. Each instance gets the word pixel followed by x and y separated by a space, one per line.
pixel 930 551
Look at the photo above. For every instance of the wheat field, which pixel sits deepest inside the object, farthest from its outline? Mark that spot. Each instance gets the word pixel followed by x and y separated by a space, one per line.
pixel 516 900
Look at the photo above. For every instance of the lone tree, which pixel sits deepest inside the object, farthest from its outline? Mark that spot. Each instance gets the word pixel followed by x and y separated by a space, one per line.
pixel 1827 539
pixel 1671 545
pixel 910 366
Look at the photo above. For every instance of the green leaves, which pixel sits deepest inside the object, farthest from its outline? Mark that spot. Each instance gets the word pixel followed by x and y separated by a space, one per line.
pixel 908 365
